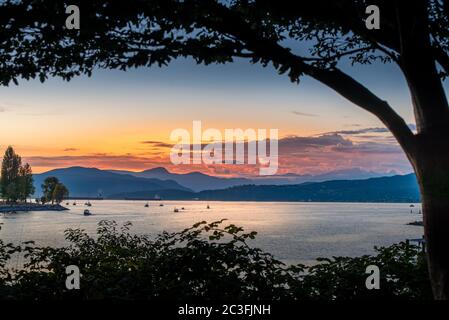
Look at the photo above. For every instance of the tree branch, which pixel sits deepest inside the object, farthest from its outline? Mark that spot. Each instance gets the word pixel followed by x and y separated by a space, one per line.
pixel 339 55
pixel 442 58
pixel 333 78
pixel 358 94
pixel 446 7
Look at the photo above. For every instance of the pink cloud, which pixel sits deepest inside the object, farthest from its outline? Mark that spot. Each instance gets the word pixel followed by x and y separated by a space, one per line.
pixel 299 155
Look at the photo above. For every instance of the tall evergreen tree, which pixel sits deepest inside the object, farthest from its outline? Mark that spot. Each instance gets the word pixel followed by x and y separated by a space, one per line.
pixel 16 182
pixel 26 182
pixel 9 183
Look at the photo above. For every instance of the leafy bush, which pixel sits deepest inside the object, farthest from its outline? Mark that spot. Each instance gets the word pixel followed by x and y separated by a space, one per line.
pixel 207 261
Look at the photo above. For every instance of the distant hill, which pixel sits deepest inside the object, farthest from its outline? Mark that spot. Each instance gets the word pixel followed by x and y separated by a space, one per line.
pixel 385 189
pixel 89 182
pixel 343 174
pixel 195 181
pixel 167 194
pixel 198 181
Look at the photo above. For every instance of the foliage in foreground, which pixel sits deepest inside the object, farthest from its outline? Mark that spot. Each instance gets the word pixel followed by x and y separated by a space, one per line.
pixel 206 261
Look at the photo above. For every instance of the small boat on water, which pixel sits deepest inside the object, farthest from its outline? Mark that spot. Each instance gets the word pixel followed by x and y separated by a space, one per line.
pixel 176 210
pixel 146 205
pixel 416 223
pixel 87 212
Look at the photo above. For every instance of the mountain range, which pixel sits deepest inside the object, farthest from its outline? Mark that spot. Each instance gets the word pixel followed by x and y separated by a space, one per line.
pixel 195 181
pixel 385 189
pixel 198 181
pixel 91 182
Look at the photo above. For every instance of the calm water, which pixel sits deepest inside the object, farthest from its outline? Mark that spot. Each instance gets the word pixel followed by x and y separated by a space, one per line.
pixel 293 232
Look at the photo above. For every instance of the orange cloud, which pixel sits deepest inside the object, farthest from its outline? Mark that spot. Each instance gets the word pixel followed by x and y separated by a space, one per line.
pixel 298 155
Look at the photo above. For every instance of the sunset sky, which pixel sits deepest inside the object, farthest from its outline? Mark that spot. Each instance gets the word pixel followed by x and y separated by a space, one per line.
pixel 119 120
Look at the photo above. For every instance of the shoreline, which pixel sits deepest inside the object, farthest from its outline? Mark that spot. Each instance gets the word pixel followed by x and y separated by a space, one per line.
pixel 27 207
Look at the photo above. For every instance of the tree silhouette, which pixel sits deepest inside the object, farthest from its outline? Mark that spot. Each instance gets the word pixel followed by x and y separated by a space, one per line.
pixel 26 182
pixel 60 193
pixel 16 181
pixel 134 33
pixel 10 175
pixel 49 188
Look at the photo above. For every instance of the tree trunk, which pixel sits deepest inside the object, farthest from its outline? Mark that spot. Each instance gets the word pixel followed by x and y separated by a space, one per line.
pixel 430 152
pixel 432 169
